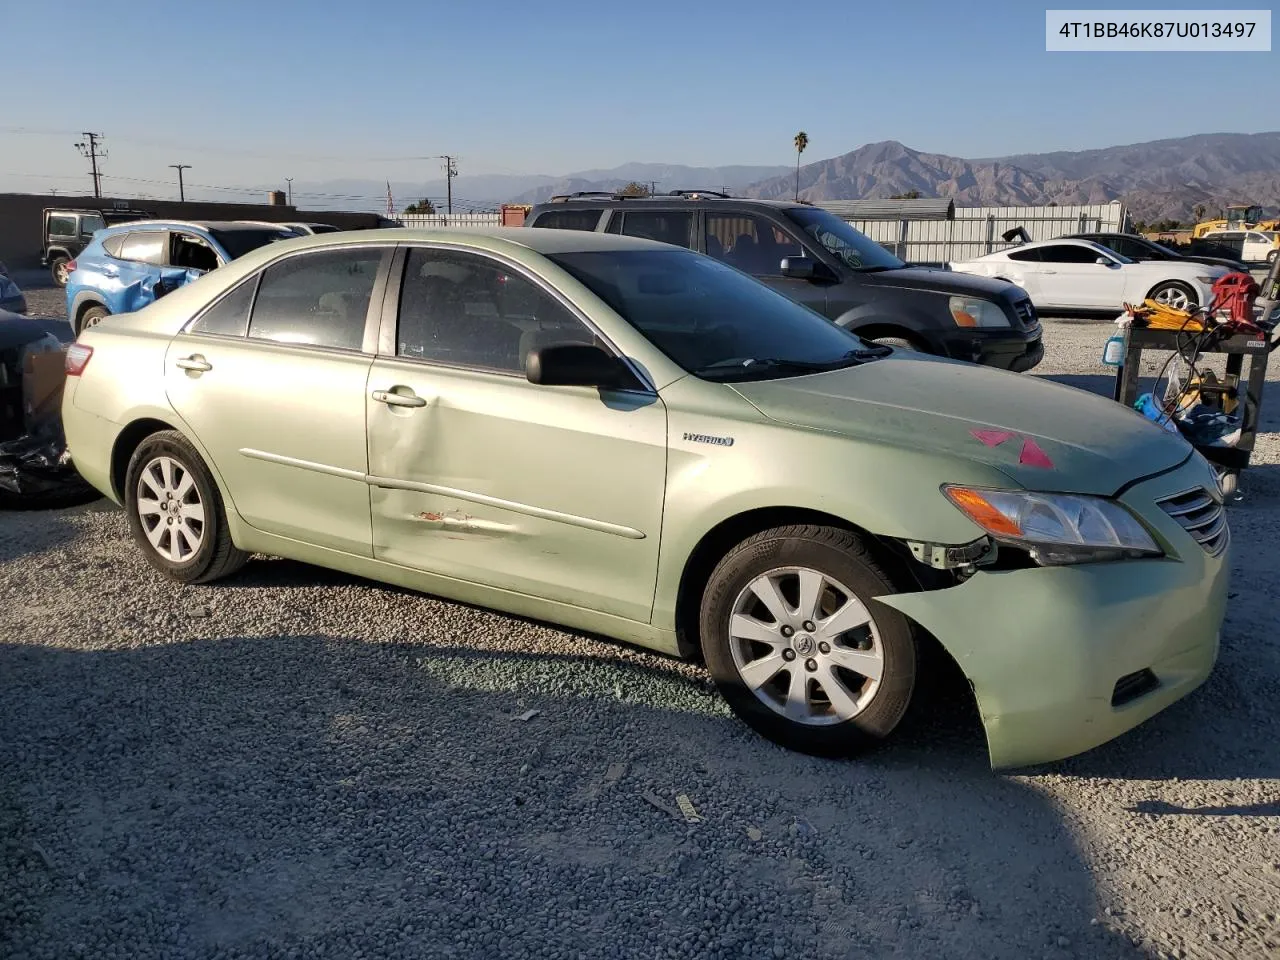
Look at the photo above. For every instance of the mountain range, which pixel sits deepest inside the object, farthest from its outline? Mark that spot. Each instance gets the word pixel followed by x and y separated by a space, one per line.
pixel 1162 179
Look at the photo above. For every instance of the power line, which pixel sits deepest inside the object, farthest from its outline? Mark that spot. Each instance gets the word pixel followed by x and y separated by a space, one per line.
pixel 89 147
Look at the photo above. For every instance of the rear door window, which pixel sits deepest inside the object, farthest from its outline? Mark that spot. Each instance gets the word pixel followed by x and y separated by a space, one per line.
pixel 752 244
pixel 578 219
pixel 90 224
pixel 665 226
pixel 318 299
pixel 148 246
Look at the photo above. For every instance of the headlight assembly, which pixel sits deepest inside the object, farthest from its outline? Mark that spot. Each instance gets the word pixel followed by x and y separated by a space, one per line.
pixel 968 312
pixel 1056 528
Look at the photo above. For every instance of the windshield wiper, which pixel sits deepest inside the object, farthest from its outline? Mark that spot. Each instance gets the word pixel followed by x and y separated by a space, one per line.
pixel 754 363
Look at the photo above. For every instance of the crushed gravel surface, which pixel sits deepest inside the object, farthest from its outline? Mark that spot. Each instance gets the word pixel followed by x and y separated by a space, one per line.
pixel 295 763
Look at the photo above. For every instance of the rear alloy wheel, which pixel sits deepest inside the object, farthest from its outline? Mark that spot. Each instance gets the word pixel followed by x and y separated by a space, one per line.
pixel 798 647
pixel 1176 294
pixel 58 270
pixel 1271 257
pixel 175 512
pixel 91 318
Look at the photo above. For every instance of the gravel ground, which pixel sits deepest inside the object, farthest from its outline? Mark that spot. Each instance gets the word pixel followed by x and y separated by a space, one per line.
pixel 296 763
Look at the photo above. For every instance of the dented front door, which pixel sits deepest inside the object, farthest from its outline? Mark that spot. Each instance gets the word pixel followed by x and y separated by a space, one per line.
pixel 551 491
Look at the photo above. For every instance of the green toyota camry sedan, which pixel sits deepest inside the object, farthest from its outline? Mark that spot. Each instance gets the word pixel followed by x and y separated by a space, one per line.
pixel 633 439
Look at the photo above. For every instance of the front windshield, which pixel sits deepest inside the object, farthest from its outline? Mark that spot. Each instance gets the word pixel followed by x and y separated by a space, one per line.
pixel 239 242
pixel 714 321
pixel 855 250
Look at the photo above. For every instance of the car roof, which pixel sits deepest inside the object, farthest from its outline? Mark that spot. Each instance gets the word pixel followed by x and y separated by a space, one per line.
pixel 674 200
pixel 538 239
pixel 227 226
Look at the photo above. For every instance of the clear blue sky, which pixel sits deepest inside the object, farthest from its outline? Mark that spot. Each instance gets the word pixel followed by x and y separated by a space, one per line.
pixel 248 91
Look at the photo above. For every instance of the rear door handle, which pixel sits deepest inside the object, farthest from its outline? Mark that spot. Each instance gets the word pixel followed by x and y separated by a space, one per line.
pixel 194 362
pixel 399 399
pixel 1048 271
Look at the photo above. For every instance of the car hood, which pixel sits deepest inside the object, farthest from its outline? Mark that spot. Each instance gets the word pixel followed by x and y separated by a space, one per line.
pixel 944 281
pixel 1043 435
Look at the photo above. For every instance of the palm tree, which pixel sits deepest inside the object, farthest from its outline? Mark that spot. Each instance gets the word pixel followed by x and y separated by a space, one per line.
pixel 802 141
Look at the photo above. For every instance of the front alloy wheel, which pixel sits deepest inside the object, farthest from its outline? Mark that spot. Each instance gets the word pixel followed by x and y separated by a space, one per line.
pixel 806 646
pixel 797 645
pixel 1177 295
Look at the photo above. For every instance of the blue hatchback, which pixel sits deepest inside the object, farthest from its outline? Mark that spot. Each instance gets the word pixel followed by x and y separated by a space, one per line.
pixel 127 266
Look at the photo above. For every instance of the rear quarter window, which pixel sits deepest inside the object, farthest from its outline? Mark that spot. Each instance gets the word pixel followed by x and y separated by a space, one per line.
pixel 569 219
pixel 62 226
pixel 112 245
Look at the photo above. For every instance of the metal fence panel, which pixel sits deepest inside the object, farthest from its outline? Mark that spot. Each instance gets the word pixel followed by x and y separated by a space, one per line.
pixel 977 231
pixel 433 221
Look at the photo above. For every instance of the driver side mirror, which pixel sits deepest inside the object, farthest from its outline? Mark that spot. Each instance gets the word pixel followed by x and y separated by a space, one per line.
pixel 1103 262
pixel 577 365
pixel 799 268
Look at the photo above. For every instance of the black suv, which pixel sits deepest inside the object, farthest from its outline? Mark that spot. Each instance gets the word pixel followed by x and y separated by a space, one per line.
pixel 67 231
pixel 821 261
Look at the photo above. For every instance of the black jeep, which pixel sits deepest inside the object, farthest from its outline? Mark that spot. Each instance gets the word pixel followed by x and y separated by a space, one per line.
pixel 821 261
pixel 67 231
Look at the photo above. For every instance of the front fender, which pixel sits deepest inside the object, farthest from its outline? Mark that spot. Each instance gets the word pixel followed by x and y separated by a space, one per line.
pixel 914 320
pixel 890 490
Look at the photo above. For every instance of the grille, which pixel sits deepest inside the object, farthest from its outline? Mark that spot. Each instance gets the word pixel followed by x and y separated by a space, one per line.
pixel 1202 516
pixel 1132 686
pixel 1026 312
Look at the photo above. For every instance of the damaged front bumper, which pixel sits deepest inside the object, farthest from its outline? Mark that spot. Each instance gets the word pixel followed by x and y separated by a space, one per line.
pixel 1063 659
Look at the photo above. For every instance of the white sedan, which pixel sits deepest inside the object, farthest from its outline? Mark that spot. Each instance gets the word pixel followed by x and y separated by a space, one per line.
pixel 1080 275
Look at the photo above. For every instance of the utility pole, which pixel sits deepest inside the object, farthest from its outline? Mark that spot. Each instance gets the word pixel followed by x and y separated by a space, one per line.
pixel 653 190
pixel 450 171
pixel 91 148
pixel 182 196
pixel 289 180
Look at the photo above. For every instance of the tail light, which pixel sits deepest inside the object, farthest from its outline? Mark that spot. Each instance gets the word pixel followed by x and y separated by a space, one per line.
pixel 70 267
pixel 77 359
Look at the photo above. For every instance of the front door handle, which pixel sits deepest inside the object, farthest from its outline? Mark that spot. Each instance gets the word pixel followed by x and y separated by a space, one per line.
pixel 194 362
pixel 1048 271
pixel 398 399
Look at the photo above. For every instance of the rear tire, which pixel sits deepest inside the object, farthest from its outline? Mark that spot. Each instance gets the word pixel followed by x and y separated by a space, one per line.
pixel 90 318
pixel 58 270
pixel 832 672
pixel 175 512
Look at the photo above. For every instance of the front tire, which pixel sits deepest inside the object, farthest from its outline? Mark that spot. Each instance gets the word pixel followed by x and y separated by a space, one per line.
pixel 901 343
pixel 1176 294
pixel 175 512
pixel 797 645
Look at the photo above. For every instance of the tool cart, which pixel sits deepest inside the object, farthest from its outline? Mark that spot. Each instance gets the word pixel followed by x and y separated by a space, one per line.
pixel 1219 417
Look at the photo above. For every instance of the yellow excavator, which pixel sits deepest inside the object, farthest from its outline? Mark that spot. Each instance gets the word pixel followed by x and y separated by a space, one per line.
pixel 1240 216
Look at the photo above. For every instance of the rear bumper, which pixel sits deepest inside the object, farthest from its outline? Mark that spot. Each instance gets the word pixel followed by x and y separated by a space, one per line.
pixel 90 441
pixel 1052 652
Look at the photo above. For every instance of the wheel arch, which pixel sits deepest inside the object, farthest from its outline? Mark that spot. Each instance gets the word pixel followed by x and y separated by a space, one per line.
pixel 150 422
pixel 726 534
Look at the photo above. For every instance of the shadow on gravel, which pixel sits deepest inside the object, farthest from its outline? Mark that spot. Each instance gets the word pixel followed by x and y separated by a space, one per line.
pixel 308 796
pixel 28 532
